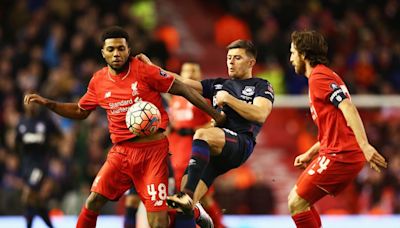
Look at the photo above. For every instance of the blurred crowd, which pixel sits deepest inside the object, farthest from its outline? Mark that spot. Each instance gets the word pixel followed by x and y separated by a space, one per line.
pixel 53 47
pixel 361 35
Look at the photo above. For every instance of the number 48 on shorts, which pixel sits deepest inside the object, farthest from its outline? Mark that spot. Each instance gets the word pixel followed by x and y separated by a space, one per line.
pixel 160 191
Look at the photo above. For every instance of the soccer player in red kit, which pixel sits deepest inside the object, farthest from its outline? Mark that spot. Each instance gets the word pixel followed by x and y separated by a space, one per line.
pixel 342 147
pixel 185 120
pixel 141 161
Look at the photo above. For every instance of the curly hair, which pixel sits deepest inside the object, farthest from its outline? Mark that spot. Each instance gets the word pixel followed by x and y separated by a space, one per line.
pixel 312 45
pixel 114 32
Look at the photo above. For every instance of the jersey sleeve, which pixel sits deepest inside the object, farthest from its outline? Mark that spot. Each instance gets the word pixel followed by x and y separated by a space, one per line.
pixel 264 89
pixel 327 89
pixel 208 88
pixel 156 78
pixel 89 99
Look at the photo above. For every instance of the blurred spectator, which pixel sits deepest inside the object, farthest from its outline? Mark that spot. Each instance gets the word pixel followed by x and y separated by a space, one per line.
pixel 229 28
pixel 35 137
pixel 274 73
pixel 144 11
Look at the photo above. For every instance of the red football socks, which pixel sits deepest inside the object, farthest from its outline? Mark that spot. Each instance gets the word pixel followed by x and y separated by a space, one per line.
pixel 305 220
pixel 316 216
pixel 215 213
pixel 87 219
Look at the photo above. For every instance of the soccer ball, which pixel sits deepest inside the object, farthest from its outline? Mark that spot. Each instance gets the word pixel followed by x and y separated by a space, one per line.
pixel 143 118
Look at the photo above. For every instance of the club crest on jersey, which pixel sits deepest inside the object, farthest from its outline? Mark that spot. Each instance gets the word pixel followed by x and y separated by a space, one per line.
pixel 134 89
pixel 248 90
pixel 163 73
pixel 107 94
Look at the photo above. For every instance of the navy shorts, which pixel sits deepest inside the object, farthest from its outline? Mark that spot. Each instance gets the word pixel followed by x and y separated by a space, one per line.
pixel 34 176
pixel 236 151
pixel 34 172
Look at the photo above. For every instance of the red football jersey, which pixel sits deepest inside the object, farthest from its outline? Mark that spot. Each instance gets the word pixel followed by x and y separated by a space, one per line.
pixel 185 115
pixel 333 133
pixel 116 93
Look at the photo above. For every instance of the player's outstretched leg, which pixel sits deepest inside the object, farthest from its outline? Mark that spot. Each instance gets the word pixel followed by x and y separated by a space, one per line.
pixel 197 164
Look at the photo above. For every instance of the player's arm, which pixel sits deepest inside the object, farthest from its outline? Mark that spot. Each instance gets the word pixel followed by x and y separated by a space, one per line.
pixel 181 89
pixel 69 110
pixel 354 121
pixel 303 159
pixel 258 111
pixel 314 149
pixel 196 85
pixel 192 83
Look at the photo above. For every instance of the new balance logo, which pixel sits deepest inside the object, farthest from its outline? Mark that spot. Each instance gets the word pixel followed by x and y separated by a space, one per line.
pixel 158 203
pixel 107 95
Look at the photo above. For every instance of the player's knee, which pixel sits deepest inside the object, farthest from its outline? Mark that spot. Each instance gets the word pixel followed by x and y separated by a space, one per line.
pixel 95 202
pixel 160 224
pixel 159 220
pixel 201 134
pixel 296 204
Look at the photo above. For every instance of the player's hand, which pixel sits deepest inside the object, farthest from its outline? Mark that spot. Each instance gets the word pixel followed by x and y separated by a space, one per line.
pixel 217 122
pixel 302 160
pixel 376 160
pixel 142 57
pixel 221 97
pixel 34 98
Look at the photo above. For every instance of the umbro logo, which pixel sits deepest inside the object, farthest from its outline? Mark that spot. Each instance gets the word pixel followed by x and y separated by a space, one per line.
pixel 218 86
pixel 107 94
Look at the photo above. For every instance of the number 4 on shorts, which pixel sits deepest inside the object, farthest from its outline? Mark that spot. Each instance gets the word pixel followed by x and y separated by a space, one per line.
pixel 323 164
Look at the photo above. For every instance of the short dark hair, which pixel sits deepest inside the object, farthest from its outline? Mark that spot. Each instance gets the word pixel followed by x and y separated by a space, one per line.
pixel 115 32
pixel 312 45
pixel 245 44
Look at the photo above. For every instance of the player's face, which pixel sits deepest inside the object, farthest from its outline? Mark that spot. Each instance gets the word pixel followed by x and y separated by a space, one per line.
pixel 297 60
pixel 239 63
pixel 116 52
pixel 191 71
